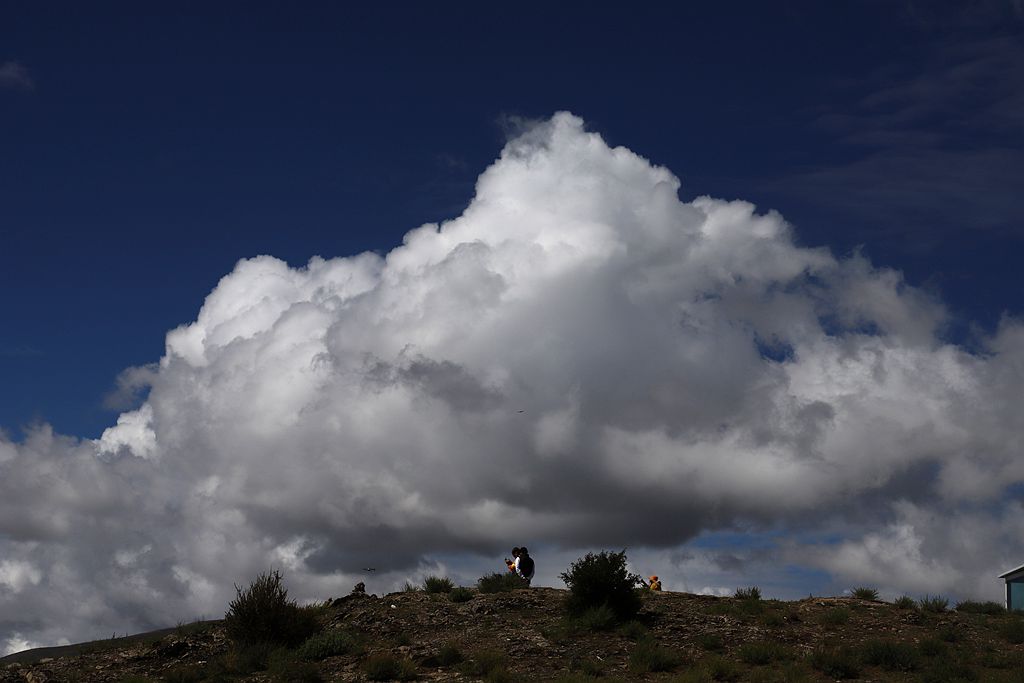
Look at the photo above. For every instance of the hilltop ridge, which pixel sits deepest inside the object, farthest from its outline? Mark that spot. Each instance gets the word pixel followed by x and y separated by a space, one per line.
pixel 524 635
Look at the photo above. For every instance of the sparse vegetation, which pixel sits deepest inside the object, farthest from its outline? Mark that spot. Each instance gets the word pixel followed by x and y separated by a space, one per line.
pixel 438 584
pixel 602 579
pixel 262 613
pixel 972 607
pixel 864 593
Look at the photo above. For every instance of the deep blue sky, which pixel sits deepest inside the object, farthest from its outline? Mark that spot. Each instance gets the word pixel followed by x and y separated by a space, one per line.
pixel 146 147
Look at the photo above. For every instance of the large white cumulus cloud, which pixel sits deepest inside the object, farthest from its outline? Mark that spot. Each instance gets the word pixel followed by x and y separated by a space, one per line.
pixel 576 355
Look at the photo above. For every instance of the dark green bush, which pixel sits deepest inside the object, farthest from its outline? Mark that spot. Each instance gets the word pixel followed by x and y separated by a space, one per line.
pixel 262 613
pixel 836 662
pixel 865 593
pixel 499 583
pixel 933 603
pixel 972 607
pixel 602 579
pixel 437 584
pixel 387 667
pixel 905 602
pixel 889 654
pixel 751 593
pixel 648 656
pixel 460 594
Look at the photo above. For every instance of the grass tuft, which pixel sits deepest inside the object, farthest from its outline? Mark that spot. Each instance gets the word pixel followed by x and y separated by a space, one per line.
pixel 933 603
pixel 905 602
pixel 438 584
pixel 460 594
pixel 751 593
pixel 865 593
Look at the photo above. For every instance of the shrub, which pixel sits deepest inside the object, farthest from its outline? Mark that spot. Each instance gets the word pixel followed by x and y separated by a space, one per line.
pixel 763 652
pixel 437 584
pixel 499 583
pixel 633 630
pixel 410 588
pixel 284 667
pixel 904 602
pixel 262 613
pixel 950 633
pixel 483 663
pixel 836 662
pixel 586 668
pixel 932 648
pixel 600 618
pixel 710 641
pixel 972 607
pixel 722 669
pixel 837 616
pixel 933 603
pixel 387 667
pixel 772 619
pixel 865 593
pixel 1013 631
pixel 328 644
pixel 751 593
pixel 889 655
pixel 449 655
pixel 460 594
pixel 602 579
pixel 185 674
pixel 648 656
pixel 246 658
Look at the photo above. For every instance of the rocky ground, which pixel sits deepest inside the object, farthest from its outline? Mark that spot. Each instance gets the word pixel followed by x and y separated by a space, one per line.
pixel 524 635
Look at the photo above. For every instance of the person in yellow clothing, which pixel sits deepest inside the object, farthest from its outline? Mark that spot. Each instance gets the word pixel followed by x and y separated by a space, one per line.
pixel 655 584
